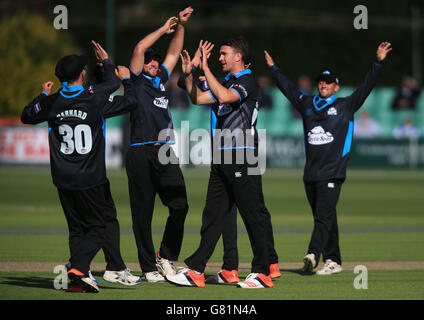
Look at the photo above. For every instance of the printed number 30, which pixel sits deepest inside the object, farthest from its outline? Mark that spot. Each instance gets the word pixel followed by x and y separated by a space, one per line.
pixel 78 139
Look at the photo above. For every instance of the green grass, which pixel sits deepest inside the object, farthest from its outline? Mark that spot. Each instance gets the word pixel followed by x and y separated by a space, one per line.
pixel 388 284
pixel 372 246
pixel 380 216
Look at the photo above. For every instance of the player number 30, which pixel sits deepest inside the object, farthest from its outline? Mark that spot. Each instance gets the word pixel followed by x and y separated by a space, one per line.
pixel 78 139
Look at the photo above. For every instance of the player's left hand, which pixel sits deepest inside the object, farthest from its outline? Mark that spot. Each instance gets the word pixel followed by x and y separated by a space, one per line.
pixel 268 59
pixel 197 56
pixel 205 51
pixel 100 53
pixel 186 64
pixel 185 15
pixel 47 87
pixel 383 49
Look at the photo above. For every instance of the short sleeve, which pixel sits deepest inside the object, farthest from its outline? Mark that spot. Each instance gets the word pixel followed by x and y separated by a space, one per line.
pixel 163 74
pixel 244 87
pixel 134 76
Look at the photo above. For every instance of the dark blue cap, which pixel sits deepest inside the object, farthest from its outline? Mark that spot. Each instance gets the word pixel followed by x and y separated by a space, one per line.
pixel 150 55
pixel 328 77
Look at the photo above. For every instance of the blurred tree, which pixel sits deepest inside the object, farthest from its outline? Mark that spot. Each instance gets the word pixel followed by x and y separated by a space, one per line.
pixel 28 55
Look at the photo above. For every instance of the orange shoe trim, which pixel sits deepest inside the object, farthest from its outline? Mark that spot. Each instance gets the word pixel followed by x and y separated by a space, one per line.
pixel 274 270
pixel 76 272
pixel 197 279
pixel 265 280
pixel 229 276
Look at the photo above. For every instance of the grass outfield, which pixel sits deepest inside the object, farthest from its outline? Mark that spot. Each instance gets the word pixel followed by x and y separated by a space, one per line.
pixel 382 285
pixel 380 214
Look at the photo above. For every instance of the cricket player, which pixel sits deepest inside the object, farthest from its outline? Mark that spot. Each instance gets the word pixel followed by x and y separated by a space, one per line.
pixel 152 132
pixel 235 104
pixel 328 130
pixel 76 119
pixel 229 268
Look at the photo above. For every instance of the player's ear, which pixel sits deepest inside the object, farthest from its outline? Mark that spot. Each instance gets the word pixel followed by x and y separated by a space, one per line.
pixel 336 88
pixel 238 56
pixel 83 74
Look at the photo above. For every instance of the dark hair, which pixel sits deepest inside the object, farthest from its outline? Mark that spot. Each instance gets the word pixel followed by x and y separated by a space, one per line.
pixel 150 55
pixel 239 45
pixel 69 68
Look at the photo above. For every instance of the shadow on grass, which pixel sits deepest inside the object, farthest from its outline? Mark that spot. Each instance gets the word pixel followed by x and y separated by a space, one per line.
pixel 44 283
pixel 97 273
pixel 298 271
pixel 31 282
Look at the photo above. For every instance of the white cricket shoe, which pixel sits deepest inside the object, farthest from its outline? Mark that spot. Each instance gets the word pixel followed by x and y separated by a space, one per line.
pixel 187 277
pixel 330 267
pixel 124 277
pixel 154 276
pixel 256 281
pixel 92 278
pixel 309 263
pixel 165 266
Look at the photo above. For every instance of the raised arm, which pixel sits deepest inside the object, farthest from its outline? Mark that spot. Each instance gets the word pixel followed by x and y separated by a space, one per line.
pixel 195 62
pixel 359 95
pixel 197 96
pixel 177 42
pixel 137 59
pixel 109 82
pixel 198 55
pixel 220 93
pixel 286 86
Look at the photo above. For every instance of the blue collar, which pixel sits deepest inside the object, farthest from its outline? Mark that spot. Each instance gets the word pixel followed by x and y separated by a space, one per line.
pixel 78 89
pixel 328 101
pixel 66 88
pixel 155 80
pixel 238 74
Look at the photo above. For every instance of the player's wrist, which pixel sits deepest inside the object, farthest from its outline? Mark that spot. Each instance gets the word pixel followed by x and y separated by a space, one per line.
pixel 205 68
pixel 181 23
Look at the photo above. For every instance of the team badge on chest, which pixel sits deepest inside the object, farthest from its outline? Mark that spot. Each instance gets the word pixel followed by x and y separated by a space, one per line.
pixel 332 111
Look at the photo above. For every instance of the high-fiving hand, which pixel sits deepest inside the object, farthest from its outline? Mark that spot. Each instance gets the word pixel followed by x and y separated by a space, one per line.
pixel 169 24
pixel 100 53
pixel 185 15
pixel 186 63
pixel 205 53
pixel 197 56
pixel 383 49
